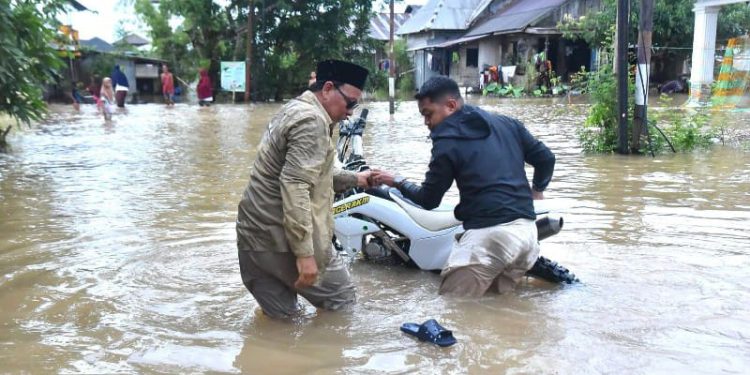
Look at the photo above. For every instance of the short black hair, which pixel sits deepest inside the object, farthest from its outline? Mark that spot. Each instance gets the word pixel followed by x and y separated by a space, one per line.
pixel 437 88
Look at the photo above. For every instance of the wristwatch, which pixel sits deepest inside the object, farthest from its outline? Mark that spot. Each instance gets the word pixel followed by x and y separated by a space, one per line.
pixel 398 180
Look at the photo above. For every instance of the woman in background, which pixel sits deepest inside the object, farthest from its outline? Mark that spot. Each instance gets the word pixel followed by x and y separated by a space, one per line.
pixel 205 89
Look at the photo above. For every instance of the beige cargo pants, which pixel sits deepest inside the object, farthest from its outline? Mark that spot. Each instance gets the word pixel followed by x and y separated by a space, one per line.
pixel 490 259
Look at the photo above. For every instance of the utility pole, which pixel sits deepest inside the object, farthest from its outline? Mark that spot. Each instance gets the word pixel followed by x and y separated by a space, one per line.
pixel 622 75
pixel 249 56
pixel 391 72
pixel 643 70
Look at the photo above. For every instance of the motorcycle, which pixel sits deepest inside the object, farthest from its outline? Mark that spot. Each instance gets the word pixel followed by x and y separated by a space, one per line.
pixel 381 225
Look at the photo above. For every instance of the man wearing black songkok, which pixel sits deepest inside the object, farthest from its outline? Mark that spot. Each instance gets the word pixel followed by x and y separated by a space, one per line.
pixel 284 220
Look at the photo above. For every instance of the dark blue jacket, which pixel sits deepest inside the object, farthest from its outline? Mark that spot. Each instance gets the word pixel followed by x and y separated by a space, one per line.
pixel 119 78
pixel 485 153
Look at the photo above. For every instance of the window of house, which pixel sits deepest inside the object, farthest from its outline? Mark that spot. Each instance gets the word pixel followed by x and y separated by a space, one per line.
pixel 472 57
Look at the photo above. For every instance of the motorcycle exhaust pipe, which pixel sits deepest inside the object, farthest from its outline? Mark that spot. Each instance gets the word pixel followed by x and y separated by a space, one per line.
pixel 548 226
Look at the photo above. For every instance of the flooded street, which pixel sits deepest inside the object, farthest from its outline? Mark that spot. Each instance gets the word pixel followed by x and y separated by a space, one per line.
pixel 118 254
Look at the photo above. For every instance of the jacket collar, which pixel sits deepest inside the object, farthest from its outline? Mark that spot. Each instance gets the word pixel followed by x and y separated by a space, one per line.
pixel 310 98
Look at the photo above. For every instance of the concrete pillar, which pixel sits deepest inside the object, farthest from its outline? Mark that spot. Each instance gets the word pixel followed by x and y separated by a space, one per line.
pixel 704 49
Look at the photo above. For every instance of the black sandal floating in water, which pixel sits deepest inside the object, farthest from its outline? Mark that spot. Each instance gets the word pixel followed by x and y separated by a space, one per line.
pixel 430 331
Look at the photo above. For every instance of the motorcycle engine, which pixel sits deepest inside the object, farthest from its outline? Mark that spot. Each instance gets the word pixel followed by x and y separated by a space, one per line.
pixel 375 250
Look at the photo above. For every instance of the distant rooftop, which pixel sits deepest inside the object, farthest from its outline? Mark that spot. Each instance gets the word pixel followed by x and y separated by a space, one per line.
pixel 133 40
pixel 516 17
pixel 380 22
pixel 443 15
pixel 97 44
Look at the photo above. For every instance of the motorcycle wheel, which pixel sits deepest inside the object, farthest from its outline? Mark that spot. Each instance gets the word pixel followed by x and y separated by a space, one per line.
pixel 548 270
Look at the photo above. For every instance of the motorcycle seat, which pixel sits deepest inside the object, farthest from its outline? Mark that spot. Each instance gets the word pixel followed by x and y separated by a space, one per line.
pixel 434 220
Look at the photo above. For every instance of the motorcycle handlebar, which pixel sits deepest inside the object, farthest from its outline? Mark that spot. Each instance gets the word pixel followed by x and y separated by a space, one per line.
pixel 356 127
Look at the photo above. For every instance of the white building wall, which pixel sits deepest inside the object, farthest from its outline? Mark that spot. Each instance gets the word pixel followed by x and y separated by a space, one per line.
pixel 489 51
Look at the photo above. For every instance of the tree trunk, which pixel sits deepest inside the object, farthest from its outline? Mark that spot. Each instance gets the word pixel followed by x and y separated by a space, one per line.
pixel 4 133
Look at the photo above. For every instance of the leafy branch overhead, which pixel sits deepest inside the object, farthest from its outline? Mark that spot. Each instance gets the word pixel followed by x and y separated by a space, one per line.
pixel 28 60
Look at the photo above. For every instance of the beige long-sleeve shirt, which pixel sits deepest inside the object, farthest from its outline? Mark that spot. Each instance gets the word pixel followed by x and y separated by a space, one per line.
pixel 287 203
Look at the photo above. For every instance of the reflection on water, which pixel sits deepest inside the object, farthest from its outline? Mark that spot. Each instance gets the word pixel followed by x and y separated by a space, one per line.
pixel 117 254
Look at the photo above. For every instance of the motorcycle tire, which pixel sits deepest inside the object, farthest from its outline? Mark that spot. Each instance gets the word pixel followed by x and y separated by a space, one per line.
pixel 548 270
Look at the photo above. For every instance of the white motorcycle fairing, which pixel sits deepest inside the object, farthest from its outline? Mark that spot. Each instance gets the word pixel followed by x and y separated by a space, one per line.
pixel 430 233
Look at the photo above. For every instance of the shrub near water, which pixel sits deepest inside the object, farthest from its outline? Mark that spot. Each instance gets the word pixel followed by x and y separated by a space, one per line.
pixel 687 130
pixel 598 134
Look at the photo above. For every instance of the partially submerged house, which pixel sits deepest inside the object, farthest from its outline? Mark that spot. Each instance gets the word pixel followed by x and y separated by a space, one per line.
pixel 437 22
pixel 460 41
pixel 84 58
pixel 142 72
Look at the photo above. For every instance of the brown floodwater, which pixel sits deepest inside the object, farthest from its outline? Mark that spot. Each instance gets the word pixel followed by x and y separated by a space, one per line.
pixel 117 254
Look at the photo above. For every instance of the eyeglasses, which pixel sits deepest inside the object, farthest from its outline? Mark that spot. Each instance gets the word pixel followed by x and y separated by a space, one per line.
pixel 350 103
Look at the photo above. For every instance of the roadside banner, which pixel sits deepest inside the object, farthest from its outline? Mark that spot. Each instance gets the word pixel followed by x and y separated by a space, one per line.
pixel 233 76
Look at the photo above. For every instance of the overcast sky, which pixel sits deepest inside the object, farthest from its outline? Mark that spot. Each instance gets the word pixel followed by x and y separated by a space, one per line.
pixel 109 14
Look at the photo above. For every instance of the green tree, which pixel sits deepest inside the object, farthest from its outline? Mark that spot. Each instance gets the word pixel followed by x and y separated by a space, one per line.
pixel 28 59
pixel 673 23
pixel 289 37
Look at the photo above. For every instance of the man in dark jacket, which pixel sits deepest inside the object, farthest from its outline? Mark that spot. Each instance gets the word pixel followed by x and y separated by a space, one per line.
pixel 485 154
pixel 120 82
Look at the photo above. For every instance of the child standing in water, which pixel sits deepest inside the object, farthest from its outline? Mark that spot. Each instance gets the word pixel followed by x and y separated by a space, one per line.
pixel 107 98
pixel 167 85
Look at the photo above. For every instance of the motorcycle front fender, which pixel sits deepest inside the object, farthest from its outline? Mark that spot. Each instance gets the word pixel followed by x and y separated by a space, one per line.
pixel 350 232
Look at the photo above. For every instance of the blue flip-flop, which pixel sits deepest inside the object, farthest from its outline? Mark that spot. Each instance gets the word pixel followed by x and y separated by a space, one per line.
pixel 430 331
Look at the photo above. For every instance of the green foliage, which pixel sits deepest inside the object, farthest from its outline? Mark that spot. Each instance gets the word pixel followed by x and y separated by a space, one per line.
pixel 101 64
pixel 579 81
pixel 599 132
pixel 502 90
pixel 27 59
pixel 673 23
pixel 686 130
pixel 200 36
pixel 530 77
pixel 290 37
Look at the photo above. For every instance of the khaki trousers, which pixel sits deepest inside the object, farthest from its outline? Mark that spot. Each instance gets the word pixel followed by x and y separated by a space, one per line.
pixel 493 258
pixel 270 277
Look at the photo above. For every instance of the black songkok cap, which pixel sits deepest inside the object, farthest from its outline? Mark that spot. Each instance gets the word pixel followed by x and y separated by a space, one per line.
pixel 341 71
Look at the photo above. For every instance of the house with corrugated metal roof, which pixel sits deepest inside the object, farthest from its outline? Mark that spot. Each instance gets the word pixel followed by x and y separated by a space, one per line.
pixel 463 40
pixel 98 57
pixel 380 30
pixel 437 22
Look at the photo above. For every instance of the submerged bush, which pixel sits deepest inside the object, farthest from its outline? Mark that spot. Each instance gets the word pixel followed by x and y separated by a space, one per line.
pixel 686 130
pixel 598 134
